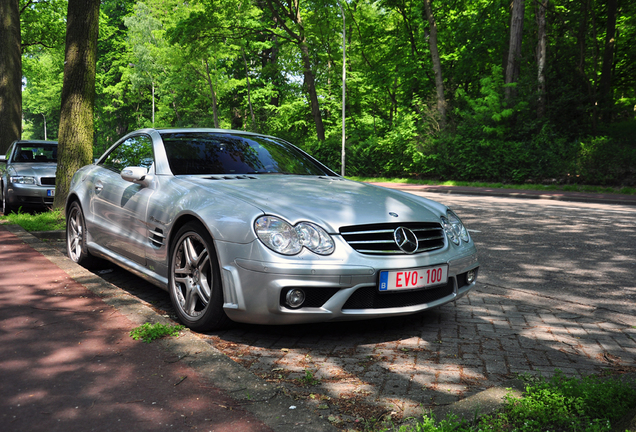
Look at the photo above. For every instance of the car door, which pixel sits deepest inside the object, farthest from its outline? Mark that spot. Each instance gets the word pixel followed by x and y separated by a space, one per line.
pixel 119 207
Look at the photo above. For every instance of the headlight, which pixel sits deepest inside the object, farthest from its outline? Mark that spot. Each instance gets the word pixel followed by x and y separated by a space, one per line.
pixel 454 228
pixel 282 237
pixel 23 180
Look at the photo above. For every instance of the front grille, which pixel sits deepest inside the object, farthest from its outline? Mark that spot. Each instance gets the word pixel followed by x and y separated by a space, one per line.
pixel 314 297
pixel 371 298
pixel 47 181
pixel 28 200
pixel 378 239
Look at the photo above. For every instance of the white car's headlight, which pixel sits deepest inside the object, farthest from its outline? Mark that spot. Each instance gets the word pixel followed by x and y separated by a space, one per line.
pixel 454 228
pixel 280 236
pixel 23 180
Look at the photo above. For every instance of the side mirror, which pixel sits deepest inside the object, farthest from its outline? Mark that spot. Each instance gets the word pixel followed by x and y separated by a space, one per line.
pixel 134 174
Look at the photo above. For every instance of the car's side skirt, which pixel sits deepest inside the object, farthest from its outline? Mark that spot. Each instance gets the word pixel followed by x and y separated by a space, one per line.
pixel 129 265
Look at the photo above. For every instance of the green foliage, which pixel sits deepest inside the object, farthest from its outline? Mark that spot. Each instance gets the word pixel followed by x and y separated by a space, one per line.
pixel 605 160
pixel 43 24
pixel 46 221
pixel 149 332
pixel 184 62
pixel 564 404
pixel 41 99
pixel 308 379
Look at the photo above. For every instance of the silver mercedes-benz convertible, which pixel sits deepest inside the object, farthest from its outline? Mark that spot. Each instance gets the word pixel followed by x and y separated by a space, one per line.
pixel 245 227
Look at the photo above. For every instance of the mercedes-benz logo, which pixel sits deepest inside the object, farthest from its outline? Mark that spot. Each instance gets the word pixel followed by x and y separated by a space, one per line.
pixel 405 239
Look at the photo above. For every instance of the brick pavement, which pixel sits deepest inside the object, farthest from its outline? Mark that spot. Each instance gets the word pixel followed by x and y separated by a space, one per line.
pixel 350 372
pixel 404 365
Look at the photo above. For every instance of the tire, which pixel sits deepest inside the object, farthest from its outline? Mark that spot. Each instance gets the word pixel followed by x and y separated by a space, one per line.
pixel 194 279
pixel 6 208
pixel 76 248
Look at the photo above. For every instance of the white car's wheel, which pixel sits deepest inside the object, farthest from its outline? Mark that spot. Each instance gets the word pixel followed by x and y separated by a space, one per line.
pixel 195 280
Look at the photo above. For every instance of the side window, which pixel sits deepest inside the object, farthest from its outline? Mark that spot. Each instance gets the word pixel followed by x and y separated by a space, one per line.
pixel 135 151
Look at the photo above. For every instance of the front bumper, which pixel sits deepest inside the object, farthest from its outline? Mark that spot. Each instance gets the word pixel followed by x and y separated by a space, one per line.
pixel 254 291
pixel 30 195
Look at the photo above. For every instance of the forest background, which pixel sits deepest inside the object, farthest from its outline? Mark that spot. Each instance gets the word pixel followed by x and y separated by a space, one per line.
pixel 509 91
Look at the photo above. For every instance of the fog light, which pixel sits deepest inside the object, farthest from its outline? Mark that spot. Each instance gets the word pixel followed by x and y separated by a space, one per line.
pixel 471 276
pixel 295 298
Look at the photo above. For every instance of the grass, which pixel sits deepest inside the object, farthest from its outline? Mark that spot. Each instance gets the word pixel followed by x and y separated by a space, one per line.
pixel 51 220
pixel 564 404
pixel 529 186
pixel 149 332
pixel 308 379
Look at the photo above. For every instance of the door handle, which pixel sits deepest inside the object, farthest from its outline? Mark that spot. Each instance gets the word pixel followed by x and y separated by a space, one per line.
pixel 99 186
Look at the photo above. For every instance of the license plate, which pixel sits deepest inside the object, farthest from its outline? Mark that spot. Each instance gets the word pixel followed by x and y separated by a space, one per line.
pixel 425 277
pixel 50 192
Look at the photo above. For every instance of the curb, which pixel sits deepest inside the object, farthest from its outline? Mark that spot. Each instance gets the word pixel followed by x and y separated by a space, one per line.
pixel 267 402
pixel 49 235
pixel 483 403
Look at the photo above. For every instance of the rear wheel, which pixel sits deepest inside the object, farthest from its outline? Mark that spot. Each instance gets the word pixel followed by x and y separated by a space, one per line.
pixel 76 237
pixel 195 279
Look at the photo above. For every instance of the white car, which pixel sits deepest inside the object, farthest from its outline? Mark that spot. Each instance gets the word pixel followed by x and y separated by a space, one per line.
pixel 28 175
pixel 246 227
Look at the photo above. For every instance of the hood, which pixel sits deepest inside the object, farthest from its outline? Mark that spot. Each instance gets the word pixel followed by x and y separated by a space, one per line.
pixel 330 202
pixel 34 169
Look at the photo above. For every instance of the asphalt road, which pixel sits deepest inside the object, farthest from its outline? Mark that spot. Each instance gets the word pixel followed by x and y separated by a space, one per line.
pixel 579 252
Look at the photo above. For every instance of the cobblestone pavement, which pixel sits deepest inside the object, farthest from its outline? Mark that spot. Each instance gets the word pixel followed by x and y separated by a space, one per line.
pixel 352 372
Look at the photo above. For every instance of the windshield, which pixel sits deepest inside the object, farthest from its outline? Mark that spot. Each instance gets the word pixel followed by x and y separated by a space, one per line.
pixel 35 153
pixel 226 153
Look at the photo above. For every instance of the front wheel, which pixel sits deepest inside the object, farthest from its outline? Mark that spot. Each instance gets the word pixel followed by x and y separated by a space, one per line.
pixel 195 279
pixel 76 237
pixel 6 208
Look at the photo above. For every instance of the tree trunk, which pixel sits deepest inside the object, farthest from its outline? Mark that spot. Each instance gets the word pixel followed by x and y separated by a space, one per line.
pixel 75 137
pixel 10 74
pixel 582 45
pixel 605 85
pixel 215 109
pixel 437 65
pixel 514 52
pixel 541 56
pixel 249 90
pixel 310 83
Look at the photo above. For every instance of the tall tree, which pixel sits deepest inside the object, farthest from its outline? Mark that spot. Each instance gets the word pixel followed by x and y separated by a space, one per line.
pixel 514 52
pixel 604 93
pixel 288 17
pixel 76 130
pixel 10 74
pixel 437 64
pixel 541 55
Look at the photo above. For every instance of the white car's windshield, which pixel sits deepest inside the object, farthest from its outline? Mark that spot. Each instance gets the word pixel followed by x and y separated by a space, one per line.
pixel 220 153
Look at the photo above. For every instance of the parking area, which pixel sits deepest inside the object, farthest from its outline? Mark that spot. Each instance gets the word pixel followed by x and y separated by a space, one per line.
pixel 352 372
pixel 539 306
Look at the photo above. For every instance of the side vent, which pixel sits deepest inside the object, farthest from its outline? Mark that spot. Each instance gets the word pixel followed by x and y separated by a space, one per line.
pixel 157 238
